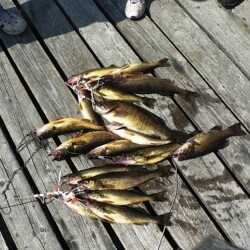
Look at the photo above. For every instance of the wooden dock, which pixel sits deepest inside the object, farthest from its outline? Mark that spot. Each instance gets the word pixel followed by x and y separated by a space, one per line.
pixel 209 48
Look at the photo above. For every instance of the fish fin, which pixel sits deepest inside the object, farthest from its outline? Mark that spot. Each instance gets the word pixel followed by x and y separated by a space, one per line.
pixel 121 113
pixel 149 102
pixel 108 201
pixel 109 186
pixel 164 62
pixel 108 218
pixel 59 118
pixel 165 171
pixel 161 196
pixel 79 109
pixel 112 65
pixel 188 95
pixel 112 127
pixel 140 224
pixel 237 130
pixel 164 219
pixel 224 144
pixel 217 127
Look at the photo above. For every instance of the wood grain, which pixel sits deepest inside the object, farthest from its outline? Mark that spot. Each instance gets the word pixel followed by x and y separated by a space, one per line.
pixel 78 231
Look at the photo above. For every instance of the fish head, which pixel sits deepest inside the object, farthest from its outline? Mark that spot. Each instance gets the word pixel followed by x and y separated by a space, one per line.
pixel 70 179
pixel 124 160
pixel 95 152
pixel 76 79
pixel 87 184
pixel 59 153
pixel 45 131
pixel 104 108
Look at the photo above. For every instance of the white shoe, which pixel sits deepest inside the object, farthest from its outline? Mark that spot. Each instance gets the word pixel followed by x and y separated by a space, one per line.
pixel 11 23
pixel 135 9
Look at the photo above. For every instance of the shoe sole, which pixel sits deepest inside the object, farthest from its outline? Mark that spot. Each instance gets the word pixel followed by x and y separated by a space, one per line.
pixel 231 6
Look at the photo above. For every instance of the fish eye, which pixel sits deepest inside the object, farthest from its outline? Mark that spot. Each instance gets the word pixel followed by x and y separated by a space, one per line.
pixel 85 182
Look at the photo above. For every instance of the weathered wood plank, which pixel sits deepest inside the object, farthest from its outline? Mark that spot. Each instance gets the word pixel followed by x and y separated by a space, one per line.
pixel 224 28
pixel 144 235
pixel 202 165
pixel 2 242
pixel 78 232
pixel 231 84
pixel 26 222
pixel 207 111
pixel 85 31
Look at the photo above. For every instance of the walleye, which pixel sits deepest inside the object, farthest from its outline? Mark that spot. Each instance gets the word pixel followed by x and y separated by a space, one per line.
pixel 113 148
pixel 97 74
pixel 136 137
pixel 147 156
pixel 122 197
pixel 122 180
pixel 110 93
pixel 204 143
pixel 85 108
pixel 123 214
pixel 79 208
pixel 143 67
pixel 146 84
pixel 73 178
pixel 137 119
pixel 87 75
pixel 63 126
pixel 82 144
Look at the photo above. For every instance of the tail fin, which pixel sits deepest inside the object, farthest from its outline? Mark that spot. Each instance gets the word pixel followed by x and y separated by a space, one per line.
pixel 188 95
pixel 165 171
pixel 237 130
pixel 161 196
pixel 164 63
pixel 149 102
pixel 164 219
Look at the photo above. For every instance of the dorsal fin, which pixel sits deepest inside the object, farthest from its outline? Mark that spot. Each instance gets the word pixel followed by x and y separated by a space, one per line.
pixel 59 118
pixel 217 127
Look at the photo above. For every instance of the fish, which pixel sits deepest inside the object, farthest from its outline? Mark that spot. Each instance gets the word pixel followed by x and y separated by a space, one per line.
pixel 79 208
pixel 136 137
pixel 73 178
pixel 147 156
pixel 85 108
pixel 207 142
pixel 137 119
pixel 110 93
pixel 124 214
pixel 123 197
pixel 63 126
pixel 147 84
pixel 122 180
pixel 87 75
pixel 82 143
pixel 144 67
pixel 113 148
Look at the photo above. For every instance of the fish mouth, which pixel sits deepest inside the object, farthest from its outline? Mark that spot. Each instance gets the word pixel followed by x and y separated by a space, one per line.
pixel 91 154
pixel 39 133
pixel 57 155
pixel 122 160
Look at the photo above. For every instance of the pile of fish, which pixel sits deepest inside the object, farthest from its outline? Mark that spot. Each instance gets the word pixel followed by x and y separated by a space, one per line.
pixel 105 193
pixel 114 127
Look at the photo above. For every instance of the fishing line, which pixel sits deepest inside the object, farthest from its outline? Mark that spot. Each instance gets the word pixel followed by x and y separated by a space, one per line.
pixel 23 143
pixel 172 205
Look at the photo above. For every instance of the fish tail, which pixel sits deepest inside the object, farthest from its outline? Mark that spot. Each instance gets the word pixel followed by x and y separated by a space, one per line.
pixel 149 102
pixel 161 196
pixel 165 171
pixel 188 95
pixel 164 219
pixel 237 130
pixel 164 62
